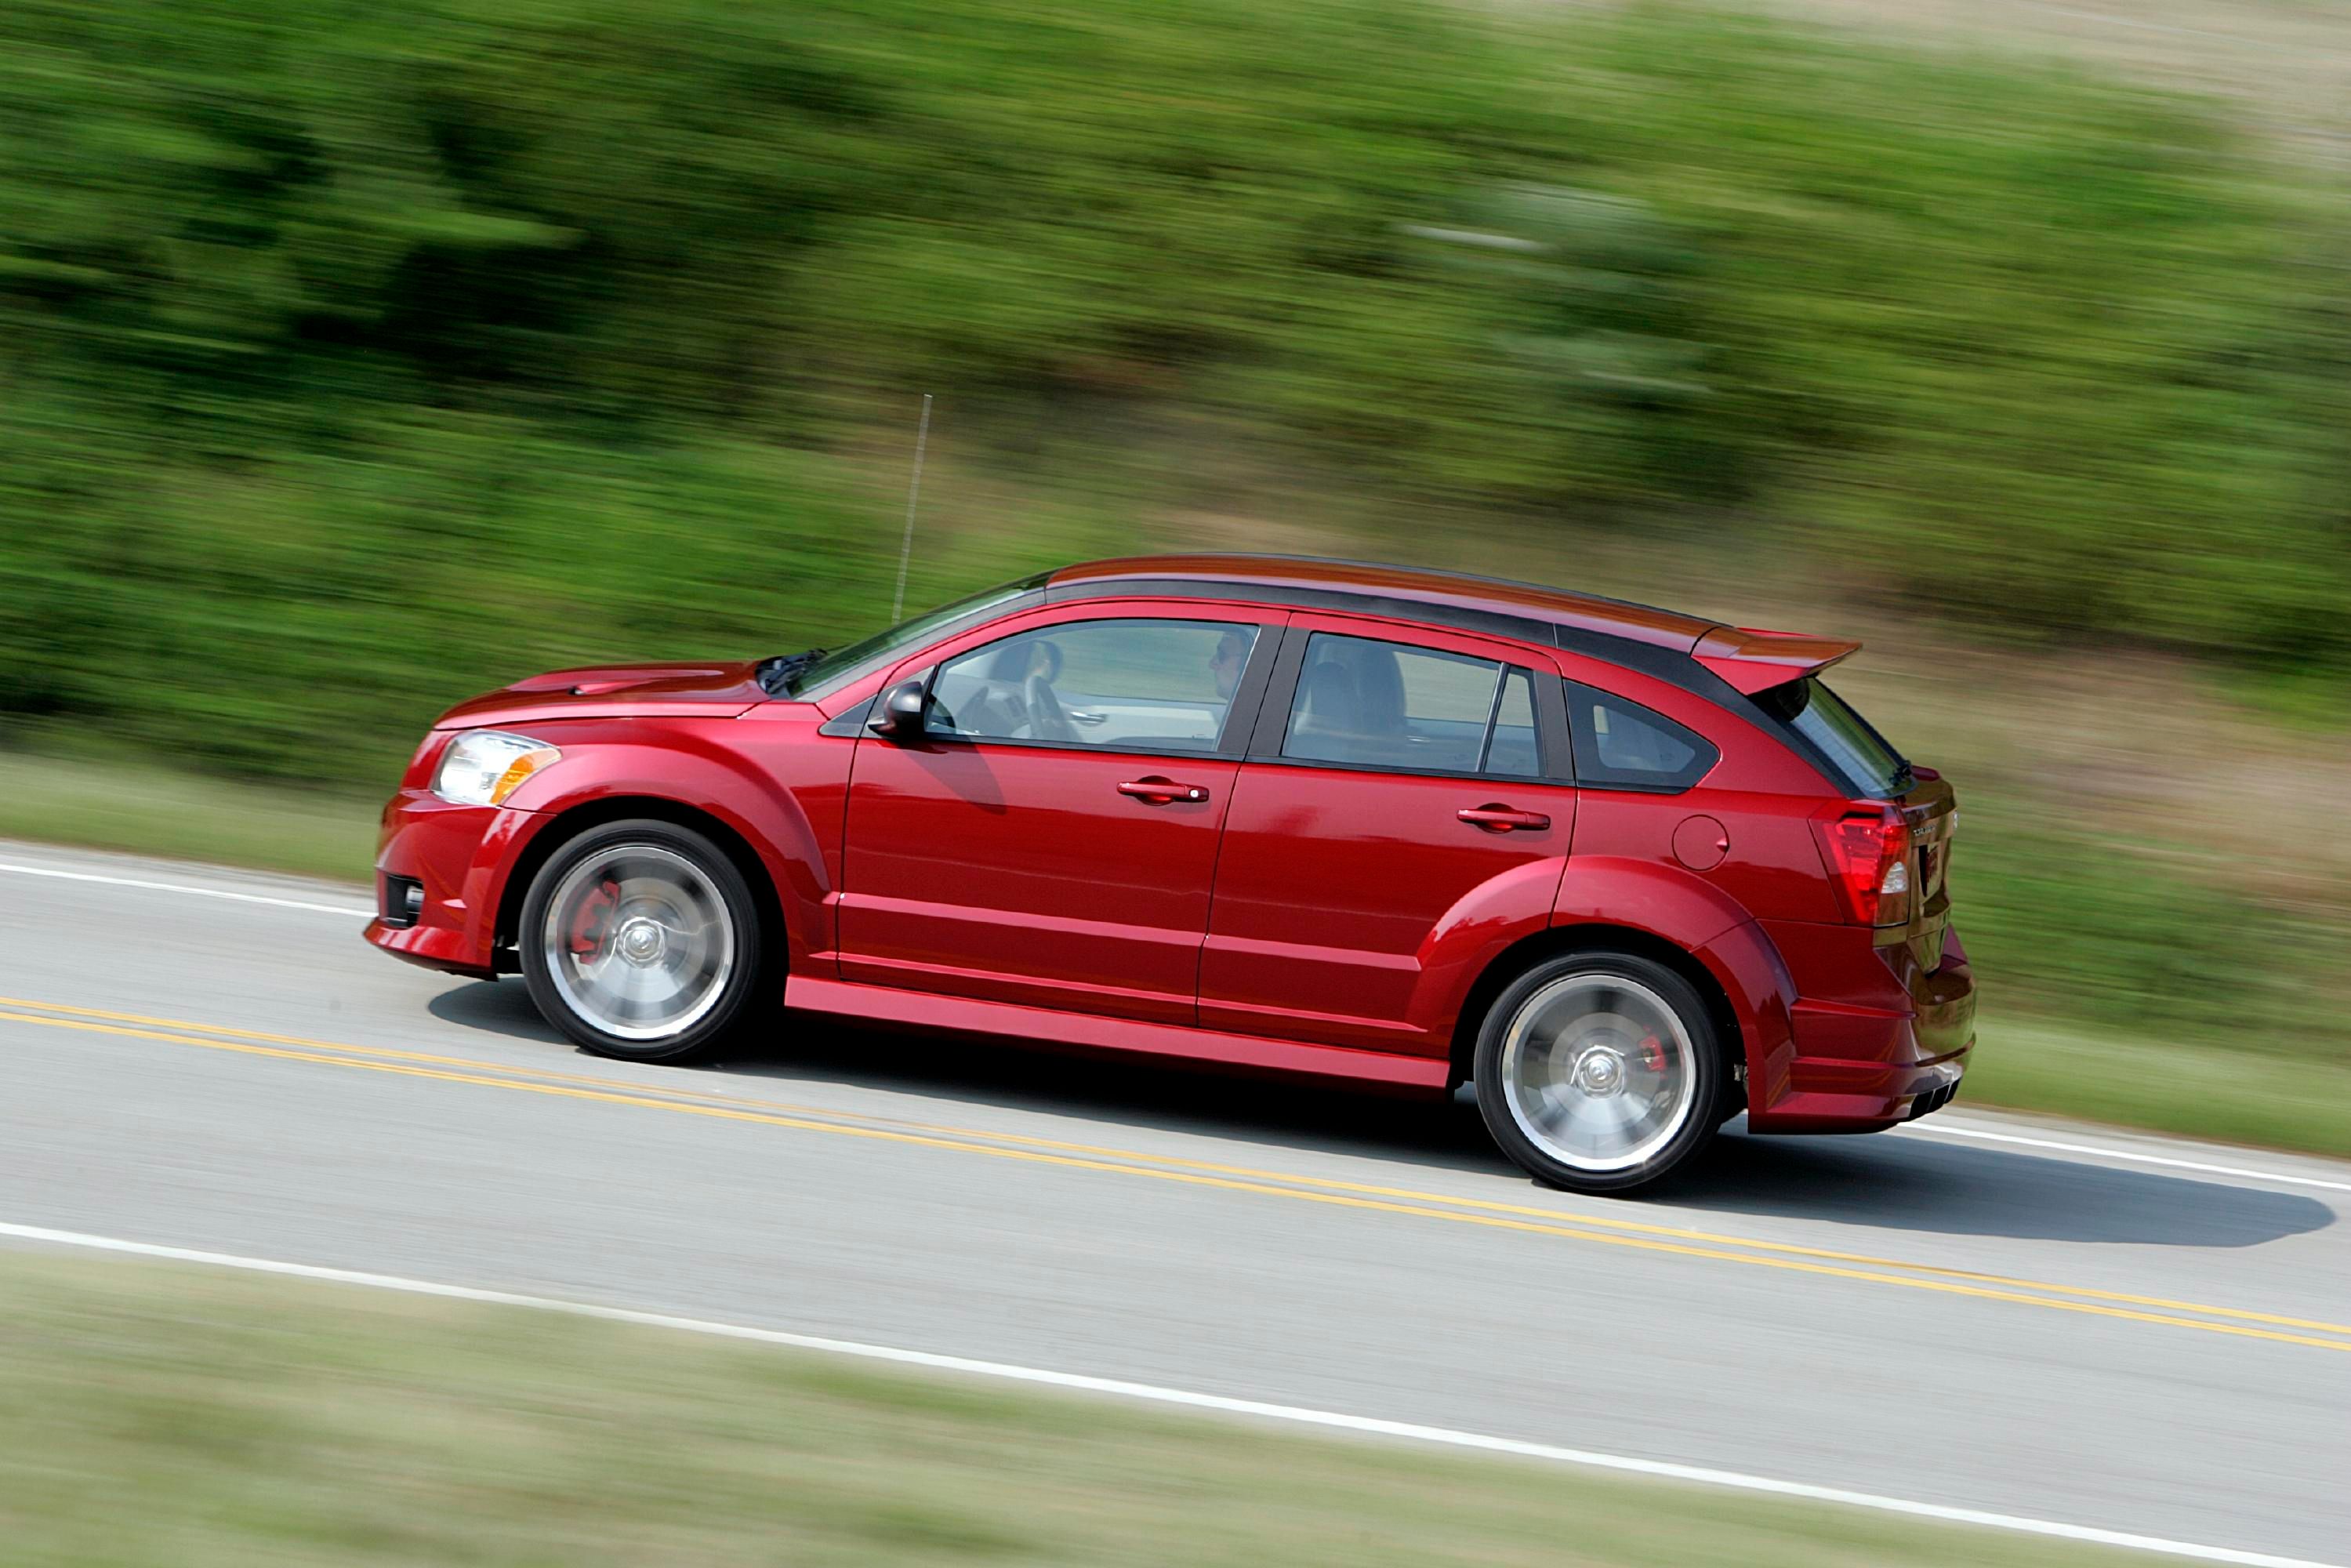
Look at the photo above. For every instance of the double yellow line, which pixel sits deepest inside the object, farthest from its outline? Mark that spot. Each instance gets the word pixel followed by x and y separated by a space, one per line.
pixel 1604 1230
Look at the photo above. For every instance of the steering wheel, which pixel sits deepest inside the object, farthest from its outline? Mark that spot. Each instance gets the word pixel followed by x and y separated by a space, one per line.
pixel 1048 719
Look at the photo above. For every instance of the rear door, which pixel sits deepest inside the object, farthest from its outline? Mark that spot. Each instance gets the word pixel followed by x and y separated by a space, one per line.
pixel 1050 838
pixel 1404 814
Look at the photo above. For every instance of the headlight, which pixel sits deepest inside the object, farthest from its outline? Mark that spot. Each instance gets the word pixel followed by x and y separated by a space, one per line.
pixel 482 767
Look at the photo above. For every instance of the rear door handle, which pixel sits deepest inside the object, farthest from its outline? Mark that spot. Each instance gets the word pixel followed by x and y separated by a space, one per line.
pixel 1500 819
pixel 1157 791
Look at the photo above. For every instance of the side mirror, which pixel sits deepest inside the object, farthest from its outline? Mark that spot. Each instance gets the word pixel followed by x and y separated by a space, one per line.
pixel 899 714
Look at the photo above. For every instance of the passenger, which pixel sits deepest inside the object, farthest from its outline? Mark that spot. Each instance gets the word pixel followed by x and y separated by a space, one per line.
pixel 1230 658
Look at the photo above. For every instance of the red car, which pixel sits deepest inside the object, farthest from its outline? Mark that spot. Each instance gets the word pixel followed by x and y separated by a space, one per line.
pixel 1629 872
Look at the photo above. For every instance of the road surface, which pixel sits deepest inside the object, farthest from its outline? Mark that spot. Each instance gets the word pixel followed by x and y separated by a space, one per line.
pixel 2128 1334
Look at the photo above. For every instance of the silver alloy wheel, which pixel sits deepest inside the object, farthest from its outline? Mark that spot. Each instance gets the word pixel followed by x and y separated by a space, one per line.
pixel 638 942
pixel 1599 1071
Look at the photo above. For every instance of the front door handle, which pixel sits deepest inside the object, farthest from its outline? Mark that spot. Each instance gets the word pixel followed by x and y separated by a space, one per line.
pixel 1493 819
pixel 1157 791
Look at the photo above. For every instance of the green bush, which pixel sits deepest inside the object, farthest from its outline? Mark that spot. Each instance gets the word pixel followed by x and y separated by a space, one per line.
pixel 2115 933
pixel 355 356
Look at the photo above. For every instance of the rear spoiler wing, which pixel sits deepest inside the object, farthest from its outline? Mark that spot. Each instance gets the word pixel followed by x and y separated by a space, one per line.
pixel 1755 661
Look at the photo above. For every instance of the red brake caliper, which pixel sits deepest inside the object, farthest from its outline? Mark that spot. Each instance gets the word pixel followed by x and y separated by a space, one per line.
pixel 1653 1053
pixel 587 924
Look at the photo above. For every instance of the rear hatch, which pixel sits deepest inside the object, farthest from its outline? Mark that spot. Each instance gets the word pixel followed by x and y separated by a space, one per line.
pixel 1904 868
pixel 1779 672
pixel 1931 808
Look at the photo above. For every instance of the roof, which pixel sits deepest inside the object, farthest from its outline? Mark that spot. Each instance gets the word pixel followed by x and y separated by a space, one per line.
pixel 1664 641
pixel 1460 591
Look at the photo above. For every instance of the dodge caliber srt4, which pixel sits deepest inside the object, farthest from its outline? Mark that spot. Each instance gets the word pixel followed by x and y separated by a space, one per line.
pixel 1628 871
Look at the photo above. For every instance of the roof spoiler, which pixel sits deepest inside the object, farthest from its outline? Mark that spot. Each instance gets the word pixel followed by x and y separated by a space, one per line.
pixel 1755 661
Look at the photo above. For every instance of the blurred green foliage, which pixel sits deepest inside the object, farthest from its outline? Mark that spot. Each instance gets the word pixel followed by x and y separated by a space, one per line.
pixel 353 355
pixel 2100 929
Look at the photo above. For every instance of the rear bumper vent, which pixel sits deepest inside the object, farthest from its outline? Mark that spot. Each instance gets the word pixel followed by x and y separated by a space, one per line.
pixel 400 900
pixel 1932 1101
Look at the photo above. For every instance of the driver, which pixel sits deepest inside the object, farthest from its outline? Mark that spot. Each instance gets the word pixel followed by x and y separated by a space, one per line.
pixel 1229 659
pixel 1044 662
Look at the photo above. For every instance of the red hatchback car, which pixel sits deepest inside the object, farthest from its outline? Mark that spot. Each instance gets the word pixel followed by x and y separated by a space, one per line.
pixel 1629 872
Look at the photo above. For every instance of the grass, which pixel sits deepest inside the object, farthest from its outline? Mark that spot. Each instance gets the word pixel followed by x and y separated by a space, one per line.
pixel 2194 1088
pixel 204 1420
pixel 182 815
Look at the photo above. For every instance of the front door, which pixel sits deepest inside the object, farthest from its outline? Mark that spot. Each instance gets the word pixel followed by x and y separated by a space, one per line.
pixel 1403 816
pixel 1050 838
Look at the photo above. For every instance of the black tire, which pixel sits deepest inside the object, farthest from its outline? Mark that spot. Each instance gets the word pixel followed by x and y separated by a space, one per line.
pixel 707 896
pixel 1536 1083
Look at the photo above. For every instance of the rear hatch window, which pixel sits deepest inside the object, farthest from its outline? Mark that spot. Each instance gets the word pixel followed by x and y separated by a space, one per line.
pixel 1858 757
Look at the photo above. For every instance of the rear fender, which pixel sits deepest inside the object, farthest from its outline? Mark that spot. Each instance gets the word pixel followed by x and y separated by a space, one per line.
pixel 1763 995
pixel 1470 936
pixel 1682 909
pixel 1663 900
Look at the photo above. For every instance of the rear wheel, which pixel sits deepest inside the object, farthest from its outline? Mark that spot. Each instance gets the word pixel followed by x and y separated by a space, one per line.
pixel 641 940
pixel 1599 1071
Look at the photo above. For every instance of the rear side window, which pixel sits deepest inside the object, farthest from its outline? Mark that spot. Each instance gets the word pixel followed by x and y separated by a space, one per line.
pixel 1363 703
pixel 1858 754
pixel 1621 745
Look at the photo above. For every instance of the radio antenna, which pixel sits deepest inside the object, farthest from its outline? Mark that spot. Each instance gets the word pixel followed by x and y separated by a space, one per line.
pixel 914 491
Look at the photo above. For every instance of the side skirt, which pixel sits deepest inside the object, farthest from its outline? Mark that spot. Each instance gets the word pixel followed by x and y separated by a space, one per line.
pixel 1044 1025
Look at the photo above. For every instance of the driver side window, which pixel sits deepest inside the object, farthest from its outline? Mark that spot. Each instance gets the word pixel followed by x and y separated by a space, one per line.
pixel 1142 684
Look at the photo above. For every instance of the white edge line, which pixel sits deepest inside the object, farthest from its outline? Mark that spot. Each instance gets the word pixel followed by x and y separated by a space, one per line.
pixel 1937 1131
pixel 2112 1154
pixel 184 887
pixel 1152 1394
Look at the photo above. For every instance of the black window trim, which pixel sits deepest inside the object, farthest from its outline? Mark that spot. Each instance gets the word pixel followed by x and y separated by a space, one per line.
pixel 1551 717
pixel 1494 711
pixel 1674 666
pixel 1241 715
pixel 1558 742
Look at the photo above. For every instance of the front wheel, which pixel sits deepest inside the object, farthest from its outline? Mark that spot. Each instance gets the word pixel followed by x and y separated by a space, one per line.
pixel 640 940
pixel 1599 1071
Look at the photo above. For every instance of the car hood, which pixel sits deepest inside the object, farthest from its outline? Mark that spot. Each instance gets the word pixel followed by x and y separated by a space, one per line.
pixel 711 691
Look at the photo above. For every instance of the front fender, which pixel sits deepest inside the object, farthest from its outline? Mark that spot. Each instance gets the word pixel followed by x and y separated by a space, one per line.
pixel 730 777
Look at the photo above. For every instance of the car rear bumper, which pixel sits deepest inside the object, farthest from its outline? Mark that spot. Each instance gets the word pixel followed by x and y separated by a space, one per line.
pixel 460 855
pixel 1878 1038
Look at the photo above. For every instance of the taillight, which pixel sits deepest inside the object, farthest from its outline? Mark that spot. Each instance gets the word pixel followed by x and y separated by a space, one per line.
pixel 1868 856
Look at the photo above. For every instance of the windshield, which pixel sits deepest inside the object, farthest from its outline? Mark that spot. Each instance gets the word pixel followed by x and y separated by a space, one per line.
pixel 843 665
pixel 1863 763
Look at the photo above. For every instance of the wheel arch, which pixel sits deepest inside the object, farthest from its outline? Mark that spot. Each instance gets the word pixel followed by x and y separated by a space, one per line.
pixel 568 824
pixel 1595 937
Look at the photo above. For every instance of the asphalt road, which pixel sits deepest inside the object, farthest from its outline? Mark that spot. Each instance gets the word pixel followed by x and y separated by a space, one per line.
pixel 2163 1350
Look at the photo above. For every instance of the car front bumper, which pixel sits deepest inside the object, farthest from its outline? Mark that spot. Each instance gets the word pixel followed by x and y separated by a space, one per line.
pixel 461 856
